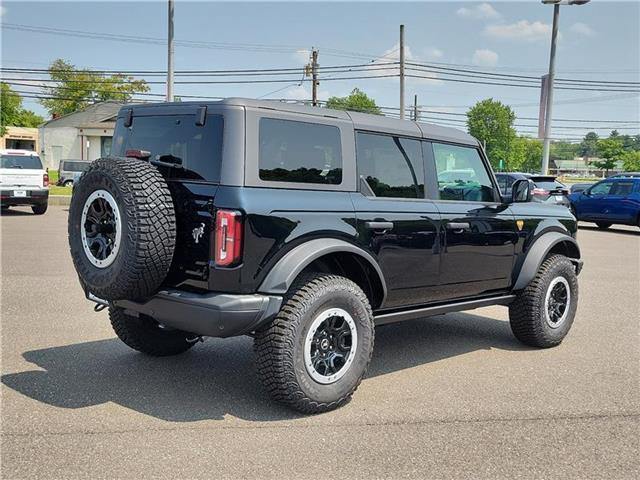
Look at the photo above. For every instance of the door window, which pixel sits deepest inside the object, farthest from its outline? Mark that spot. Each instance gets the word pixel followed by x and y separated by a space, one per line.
pixel 392 166
pixel 622 189
pixel 299 152
pixel 602 188
pixel 462 174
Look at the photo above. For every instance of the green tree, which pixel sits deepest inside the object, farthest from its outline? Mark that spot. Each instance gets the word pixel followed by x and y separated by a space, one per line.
pixel 12 113
pixel 631 161
pixel 610 151
pixel 76 89
pixel 357 101
pixel 525 155
pixel 589 145
pixel 491 122
pixel 564 150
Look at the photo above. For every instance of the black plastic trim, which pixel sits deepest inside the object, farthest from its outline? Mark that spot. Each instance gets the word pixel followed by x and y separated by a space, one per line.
pixel 210 314
pixel 400 316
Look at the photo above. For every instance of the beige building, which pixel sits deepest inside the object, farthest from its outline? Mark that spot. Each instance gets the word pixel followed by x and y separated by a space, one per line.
pixel 82 135
pixel 20 138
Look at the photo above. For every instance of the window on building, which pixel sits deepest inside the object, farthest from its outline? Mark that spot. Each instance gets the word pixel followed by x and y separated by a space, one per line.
pixel 299 152
pixel 392 166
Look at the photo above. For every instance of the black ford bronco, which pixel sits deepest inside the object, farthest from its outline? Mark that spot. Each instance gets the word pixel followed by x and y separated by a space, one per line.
pixel 305 228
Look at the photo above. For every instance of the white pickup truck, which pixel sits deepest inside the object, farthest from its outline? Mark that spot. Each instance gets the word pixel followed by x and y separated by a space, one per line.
pixel 23 181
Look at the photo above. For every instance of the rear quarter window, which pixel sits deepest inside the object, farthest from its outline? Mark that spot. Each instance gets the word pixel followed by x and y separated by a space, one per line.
pixel 299 152
pixel 175 136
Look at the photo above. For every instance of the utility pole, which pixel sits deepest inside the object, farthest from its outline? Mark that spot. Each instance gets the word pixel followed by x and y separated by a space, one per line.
pixel 170 53
pixel 543 106
pixel 314 77
pixel 415 108
pixel 550 79
pixel 402 72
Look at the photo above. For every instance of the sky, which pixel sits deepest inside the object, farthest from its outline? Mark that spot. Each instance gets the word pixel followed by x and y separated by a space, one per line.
pixel 598 41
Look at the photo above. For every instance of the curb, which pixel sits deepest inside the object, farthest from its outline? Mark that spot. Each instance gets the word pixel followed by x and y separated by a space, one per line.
pixel 60 200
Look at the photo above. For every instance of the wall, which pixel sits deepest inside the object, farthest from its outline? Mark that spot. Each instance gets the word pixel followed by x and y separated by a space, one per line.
pixel 66 141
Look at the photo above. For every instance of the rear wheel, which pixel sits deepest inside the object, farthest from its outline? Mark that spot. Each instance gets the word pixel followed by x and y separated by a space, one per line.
pixel 68 183
pixel 313 355
pixel 144 334
pixel 542 314
pixel 40 209
pixel 603 225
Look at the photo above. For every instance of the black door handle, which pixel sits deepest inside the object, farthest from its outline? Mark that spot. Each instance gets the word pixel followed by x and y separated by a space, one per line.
pixel 458 227
pixel 379 227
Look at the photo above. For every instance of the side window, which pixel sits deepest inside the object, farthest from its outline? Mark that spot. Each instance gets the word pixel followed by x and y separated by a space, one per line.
pixel 392 166
pixel 602 188
pixel 462 175
pixel 503 183
pixel 300 152
pixel 622 188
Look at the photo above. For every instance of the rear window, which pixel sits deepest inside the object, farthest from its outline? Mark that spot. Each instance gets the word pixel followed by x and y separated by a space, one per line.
pixel 21 161
pixel 175 137
pixel 549 185
pixel 75 166
pixel 299 152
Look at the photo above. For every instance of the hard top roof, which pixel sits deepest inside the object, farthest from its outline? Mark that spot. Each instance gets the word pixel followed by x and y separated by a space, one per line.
pixel 361 121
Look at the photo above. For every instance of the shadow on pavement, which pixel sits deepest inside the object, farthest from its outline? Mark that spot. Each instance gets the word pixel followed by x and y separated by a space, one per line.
pixel 12 212
pixel 217 378
pixel 612 229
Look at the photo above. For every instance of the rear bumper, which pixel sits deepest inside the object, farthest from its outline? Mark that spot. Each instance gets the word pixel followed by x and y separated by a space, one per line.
pixel 211 314
pixel 32 197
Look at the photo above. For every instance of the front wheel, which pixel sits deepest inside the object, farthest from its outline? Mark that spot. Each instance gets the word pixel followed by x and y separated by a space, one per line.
pixel 314 354
pixel 542 314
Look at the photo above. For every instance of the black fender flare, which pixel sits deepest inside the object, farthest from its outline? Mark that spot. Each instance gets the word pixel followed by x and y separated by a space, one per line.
pixel 282 275
pixel 538 252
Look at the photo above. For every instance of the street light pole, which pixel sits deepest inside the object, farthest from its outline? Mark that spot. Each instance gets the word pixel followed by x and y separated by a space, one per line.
pixel 170 53
pixel 402 72
pixel 550 78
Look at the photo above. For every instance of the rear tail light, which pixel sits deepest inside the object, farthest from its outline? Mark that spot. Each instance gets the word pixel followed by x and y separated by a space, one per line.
pixel 539 191
pixel 45 180
pixel 228 238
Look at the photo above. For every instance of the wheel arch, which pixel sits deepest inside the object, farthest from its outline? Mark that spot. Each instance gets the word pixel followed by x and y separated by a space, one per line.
pixel 546 245
pixel 329 255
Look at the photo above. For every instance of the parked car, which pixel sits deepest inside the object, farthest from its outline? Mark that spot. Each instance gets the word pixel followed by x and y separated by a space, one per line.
pixel 614 200
pixel 308 228
pixel 69 170
pixel 547 188
pixel 579 187
pixel 626 175
pixel 23 181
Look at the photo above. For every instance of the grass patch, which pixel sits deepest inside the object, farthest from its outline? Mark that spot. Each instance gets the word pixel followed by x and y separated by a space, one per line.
pixel 53 176
pixel 54 190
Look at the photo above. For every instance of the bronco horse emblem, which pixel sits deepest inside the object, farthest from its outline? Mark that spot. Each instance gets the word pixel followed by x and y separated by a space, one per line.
pixel 197 233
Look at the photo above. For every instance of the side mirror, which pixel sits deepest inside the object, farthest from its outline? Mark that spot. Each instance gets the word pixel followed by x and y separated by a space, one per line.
pixel 521 190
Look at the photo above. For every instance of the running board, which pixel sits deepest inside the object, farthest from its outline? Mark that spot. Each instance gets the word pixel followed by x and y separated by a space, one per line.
pixel 393 317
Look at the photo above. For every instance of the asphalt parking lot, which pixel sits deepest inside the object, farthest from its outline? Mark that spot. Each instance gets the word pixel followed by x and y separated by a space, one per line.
pixel 449 396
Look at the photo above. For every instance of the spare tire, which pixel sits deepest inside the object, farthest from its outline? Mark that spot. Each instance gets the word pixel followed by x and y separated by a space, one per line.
pixel 122 229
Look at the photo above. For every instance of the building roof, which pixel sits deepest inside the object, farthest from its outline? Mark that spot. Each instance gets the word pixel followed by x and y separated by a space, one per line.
pixel 362 121
pixel 89 117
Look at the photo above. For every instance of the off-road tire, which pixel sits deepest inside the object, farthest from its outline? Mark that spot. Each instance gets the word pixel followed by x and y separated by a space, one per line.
pixel 145 335
pixel 527 311
pixel 40 209
pixel 279 345
pixel 68 183
pixel 603 225
pixel 148 225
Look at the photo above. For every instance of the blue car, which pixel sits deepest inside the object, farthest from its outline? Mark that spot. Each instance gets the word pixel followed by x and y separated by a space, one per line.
pixel 614 200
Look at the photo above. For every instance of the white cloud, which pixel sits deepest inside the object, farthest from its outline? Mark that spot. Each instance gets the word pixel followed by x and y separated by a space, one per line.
pixel 300 92
pixel 522 30
pixel 3 10
pixel 484 11
pixel 582 29
pixel 433 53
pixel 393 55
pixel 302 56
pixel 485 58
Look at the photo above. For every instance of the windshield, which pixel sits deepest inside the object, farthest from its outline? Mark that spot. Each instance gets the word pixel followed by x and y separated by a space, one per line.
pixel 21 161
